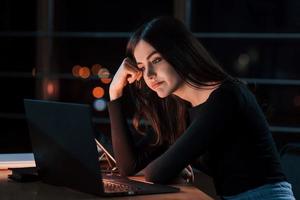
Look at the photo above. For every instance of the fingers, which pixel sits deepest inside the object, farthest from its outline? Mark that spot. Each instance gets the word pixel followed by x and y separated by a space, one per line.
pixel 140 75
pixel 132 77
pixel 133 73
pixel 191 173
pixel 188 174
pixel 129 61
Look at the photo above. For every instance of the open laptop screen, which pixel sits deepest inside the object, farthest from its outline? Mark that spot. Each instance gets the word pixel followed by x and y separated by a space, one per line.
pixel 65 149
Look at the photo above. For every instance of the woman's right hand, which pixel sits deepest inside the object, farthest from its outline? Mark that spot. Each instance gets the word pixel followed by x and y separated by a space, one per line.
pixel 127 73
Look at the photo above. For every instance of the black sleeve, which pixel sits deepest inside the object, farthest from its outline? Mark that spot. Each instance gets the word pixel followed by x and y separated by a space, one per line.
pixel 130 158
pixel 203 132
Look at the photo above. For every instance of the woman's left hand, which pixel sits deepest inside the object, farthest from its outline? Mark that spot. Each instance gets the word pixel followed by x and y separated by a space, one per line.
pixel 186 176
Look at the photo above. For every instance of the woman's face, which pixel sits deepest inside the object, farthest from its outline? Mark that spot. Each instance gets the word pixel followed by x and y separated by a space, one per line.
pixel 158 74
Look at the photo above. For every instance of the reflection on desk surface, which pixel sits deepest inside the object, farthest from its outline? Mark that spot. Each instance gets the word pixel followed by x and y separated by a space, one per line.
pixel 10 190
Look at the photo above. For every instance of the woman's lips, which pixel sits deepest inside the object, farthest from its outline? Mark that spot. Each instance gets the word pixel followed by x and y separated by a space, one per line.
pixel 156 85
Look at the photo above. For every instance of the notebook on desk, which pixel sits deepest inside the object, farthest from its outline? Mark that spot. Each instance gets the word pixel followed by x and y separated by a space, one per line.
pixel 65 151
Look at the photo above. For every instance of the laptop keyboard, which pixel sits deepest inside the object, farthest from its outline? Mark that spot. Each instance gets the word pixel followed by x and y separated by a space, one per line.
pixel 111 186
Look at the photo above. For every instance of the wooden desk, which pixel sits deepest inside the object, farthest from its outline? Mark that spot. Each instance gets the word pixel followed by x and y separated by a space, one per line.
pixel 10 190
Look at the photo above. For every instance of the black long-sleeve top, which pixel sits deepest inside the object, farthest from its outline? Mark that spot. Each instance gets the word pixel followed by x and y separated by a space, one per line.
pixel 229 129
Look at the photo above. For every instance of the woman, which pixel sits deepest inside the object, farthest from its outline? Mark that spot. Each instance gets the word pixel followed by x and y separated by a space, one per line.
pixel 198 113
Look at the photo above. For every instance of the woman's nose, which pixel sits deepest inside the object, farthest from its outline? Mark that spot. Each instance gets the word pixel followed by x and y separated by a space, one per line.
pixel 150 73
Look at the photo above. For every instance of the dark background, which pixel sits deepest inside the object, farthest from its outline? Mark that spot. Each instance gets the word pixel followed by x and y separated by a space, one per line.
pixel 41 41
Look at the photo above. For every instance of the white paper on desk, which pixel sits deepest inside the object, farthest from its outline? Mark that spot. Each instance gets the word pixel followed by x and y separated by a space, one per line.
pixel 14 160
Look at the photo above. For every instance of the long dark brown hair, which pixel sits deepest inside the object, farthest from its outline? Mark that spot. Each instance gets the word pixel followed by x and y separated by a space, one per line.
pixel 190 60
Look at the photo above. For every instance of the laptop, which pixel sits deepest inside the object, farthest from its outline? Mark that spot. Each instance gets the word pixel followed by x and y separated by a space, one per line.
pixel 65 151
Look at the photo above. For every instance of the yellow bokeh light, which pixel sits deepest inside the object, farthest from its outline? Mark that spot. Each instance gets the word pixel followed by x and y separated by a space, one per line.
pixel 98 92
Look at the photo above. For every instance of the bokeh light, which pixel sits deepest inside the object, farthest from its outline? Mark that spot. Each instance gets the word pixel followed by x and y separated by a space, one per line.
pixel 242 64
pixel 106 80
pixel 297 101
pixel 50 88
pixel 244 59
pixel 98 92
pixel 75 70
pixel 84 72
pixel 33 72
pixel 103 73
pixel 95 69
pixel 100 104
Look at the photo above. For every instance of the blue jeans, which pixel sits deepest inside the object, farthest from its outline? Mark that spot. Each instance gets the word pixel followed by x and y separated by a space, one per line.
pixel 276 191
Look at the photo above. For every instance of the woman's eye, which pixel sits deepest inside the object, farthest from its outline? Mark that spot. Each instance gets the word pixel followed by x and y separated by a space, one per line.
pixel 142 68
pixel 156 60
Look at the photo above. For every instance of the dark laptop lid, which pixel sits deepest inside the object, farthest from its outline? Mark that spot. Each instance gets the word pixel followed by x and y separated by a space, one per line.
pixel 56 129
pixel 65 150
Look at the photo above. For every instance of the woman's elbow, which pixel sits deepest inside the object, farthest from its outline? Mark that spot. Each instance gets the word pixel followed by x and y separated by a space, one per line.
pixel 154 177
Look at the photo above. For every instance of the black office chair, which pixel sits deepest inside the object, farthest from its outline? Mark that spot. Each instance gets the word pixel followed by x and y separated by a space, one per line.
pixel 290 160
